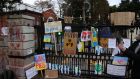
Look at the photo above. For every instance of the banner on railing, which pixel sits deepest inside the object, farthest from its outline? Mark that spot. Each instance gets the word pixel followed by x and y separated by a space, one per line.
pixel 40 62
pixel 70 42
pixel 51 27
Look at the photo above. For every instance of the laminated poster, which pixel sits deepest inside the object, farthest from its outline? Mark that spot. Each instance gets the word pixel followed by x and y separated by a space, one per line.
pixel 116 70
pixel 126 42
pixel 94 42
pixel 104 42
pixel 47 38
pixel 86 36
pixel 111 43
pixel 40 62
pixel 117 60
pixel 48 46
pixel 80 47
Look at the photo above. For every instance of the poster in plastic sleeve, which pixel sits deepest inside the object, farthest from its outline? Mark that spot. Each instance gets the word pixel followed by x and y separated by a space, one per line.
pixel 40 62
pixel 116 70
pixel 126 43
pixel 111 43
pixel 104 42
pixel 47 38
pixel 94 39
pixel 117 60
pixel 70 42
pixel 51 27
pixel 30 73
pixel 86 36
pixel 80 47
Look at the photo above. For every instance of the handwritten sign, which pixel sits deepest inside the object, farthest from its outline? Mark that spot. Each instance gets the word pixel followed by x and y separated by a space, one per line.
pixel 111 43
pixel 104 42
pixel 116 70
pixel 120 60
pixel 86 36
pixel 126 42
pixel 47 38
pixel 70 42
pixel 40 62
pixel 51 27
pixel 30 73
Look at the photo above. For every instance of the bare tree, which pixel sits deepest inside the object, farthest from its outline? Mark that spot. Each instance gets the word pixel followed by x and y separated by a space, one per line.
pixel 44 5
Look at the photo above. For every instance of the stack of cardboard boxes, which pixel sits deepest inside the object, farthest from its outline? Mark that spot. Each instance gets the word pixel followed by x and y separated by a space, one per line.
pixel 21 43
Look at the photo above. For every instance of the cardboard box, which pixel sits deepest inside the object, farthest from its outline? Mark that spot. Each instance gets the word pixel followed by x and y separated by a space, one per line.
pixel 21 37
pixel 17 30
pixel 21 45
pixel 51 74
pixel 21 22
pixel 122 18
pixel 20 62
pixel 23 52
pixel 21 71
pixel 20 16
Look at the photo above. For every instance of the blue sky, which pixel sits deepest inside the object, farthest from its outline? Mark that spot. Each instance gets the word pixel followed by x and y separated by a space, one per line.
pixel 111 2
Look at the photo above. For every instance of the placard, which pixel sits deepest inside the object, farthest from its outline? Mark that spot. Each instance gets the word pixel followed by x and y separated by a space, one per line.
pixel 117 60
pixel 111 43
pixel 30 73
pixel 104 42
pixel 86 36
pixel 40 62
pixel 126 42
pixel 80 47
pixel 51 27
pixel 47 38
pixel 94 40
pixel 70 42
pixel 116 70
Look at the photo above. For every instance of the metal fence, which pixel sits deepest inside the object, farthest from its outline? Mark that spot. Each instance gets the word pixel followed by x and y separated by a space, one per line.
pixel 82 64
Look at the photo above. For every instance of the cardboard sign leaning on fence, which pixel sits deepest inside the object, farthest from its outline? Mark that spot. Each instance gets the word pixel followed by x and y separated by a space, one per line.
pixel 70 42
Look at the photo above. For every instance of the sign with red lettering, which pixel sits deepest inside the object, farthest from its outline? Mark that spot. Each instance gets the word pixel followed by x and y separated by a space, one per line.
pixel 40 62
pixel 70 42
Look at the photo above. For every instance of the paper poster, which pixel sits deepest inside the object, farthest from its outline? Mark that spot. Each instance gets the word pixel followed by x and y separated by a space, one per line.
pixel 48 46
pixel 70 42
pixel 94 42
pixel 80 47
pixel 104 42
pixel 126 42
pixel 105 32
pixel 111 43
pixel 4 30
pixel 116 70
pixel 47 38
pixel 30 73
pixel 40 62
pixel 99 50
pixel 117 60
pixel 86 36
pixel 51 27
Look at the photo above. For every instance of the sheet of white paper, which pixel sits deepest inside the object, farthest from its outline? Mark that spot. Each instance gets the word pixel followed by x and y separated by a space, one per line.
pixel 116 70
pixel 30 73
pixel 111 43
pixel 126 42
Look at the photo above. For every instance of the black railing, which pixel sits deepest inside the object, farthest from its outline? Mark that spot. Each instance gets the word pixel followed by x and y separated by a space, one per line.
pixel 82 64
